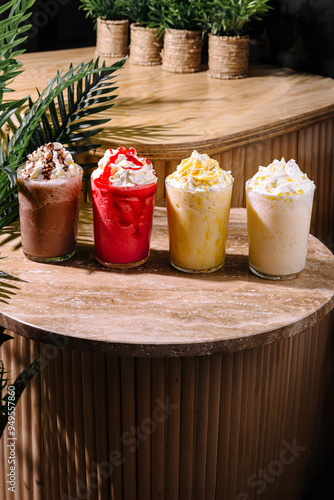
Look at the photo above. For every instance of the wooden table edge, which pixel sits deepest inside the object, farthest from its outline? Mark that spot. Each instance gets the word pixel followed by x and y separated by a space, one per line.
pixel 222 144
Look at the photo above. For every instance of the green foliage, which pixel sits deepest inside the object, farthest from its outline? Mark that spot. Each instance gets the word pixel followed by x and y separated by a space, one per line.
pixel 140 11
pixel 62 112
pixel 176 14
pixel 228 17
pixel 53 117
pixel 109 10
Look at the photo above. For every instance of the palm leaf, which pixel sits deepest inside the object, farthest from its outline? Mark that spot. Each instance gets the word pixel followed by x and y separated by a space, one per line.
pixel 43 121
pixel 11 31
pixel 89 87
pixel 7 110
pixel 62 112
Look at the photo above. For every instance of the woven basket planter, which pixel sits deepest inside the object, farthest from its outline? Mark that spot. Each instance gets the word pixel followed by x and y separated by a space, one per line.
pixel 182 51
pixel 228 56
pixel 145 47
pixel 112 38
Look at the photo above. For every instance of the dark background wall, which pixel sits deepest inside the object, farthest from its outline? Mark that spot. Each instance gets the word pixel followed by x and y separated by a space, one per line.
pixel 301 35
pixel 297 33
pixel 59 24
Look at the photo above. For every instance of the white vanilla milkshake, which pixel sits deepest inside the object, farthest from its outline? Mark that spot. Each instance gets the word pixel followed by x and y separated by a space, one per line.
pixel 279 206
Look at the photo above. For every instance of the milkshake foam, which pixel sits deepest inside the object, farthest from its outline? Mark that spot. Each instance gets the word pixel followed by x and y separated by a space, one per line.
pixel 51 161
pixel 123 167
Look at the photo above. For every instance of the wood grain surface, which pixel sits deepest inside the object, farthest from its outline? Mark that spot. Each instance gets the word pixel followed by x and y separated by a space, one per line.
pixel 168 114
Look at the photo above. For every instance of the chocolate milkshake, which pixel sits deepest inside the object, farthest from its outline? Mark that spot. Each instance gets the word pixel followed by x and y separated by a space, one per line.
pixel 49 187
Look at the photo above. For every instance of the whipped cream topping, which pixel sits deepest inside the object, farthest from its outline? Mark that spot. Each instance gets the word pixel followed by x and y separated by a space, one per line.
pixel 123 167
pixel 281 178
pixel 51 161
pixel 199 172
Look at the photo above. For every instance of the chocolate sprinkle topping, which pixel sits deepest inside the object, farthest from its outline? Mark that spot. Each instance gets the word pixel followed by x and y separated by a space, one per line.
pixel 45 155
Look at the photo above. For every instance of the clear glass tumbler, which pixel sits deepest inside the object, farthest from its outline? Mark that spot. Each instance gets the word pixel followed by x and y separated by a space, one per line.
pixel 278 231
pixel 197 227
pixel 123 218
pixel 49 213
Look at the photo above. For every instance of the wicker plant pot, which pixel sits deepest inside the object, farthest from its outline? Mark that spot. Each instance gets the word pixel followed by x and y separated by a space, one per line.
pixel 145 47
pixel 228 56
pixel 182 51
pixel 112 38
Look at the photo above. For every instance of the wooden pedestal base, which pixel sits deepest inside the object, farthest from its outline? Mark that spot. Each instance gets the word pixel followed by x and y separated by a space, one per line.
pixel 226 426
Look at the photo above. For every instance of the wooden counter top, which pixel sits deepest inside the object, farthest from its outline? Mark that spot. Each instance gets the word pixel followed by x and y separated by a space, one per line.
pixel 155 310
pixel 273 113
pixel 166 115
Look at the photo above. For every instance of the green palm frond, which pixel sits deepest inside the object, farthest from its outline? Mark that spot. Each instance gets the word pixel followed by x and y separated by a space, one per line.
pixel 11 125
pixel 80 93
pixel 72 122
pixel 44 121
pixel 19 385
pixel 12 32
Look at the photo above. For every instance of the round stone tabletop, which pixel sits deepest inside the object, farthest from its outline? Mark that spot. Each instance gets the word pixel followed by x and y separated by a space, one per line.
pixel 155 310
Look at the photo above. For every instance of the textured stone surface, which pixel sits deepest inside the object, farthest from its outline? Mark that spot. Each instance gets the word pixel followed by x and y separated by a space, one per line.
pixel 155 310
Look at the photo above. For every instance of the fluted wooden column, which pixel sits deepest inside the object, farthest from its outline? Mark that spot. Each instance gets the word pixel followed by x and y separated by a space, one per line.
pixel 214 427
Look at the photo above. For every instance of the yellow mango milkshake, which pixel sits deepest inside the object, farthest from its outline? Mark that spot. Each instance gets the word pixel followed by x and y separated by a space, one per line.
pixel 198 198
pixel 279 202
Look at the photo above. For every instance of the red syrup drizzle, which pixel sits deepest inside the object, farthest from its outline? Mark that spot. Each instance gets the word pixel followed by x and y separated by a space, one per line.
pixel 110 168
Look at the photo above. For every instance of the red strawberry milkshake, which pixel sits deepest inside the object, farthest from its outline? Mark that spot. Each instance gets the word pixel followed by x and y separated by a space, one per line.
pixel 123 192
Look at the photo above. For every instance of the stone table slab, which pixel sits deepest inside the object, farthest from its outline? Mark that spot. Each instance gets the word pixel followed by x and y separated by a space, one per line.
pixel 155 310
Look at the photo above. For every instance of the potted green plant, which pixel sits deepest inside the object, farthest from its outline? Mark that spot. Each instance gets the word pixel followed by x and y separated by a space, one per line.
pixel 145 40
pixel 112 28
pixel 180 21
pixel 225 21
pixel 65 111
